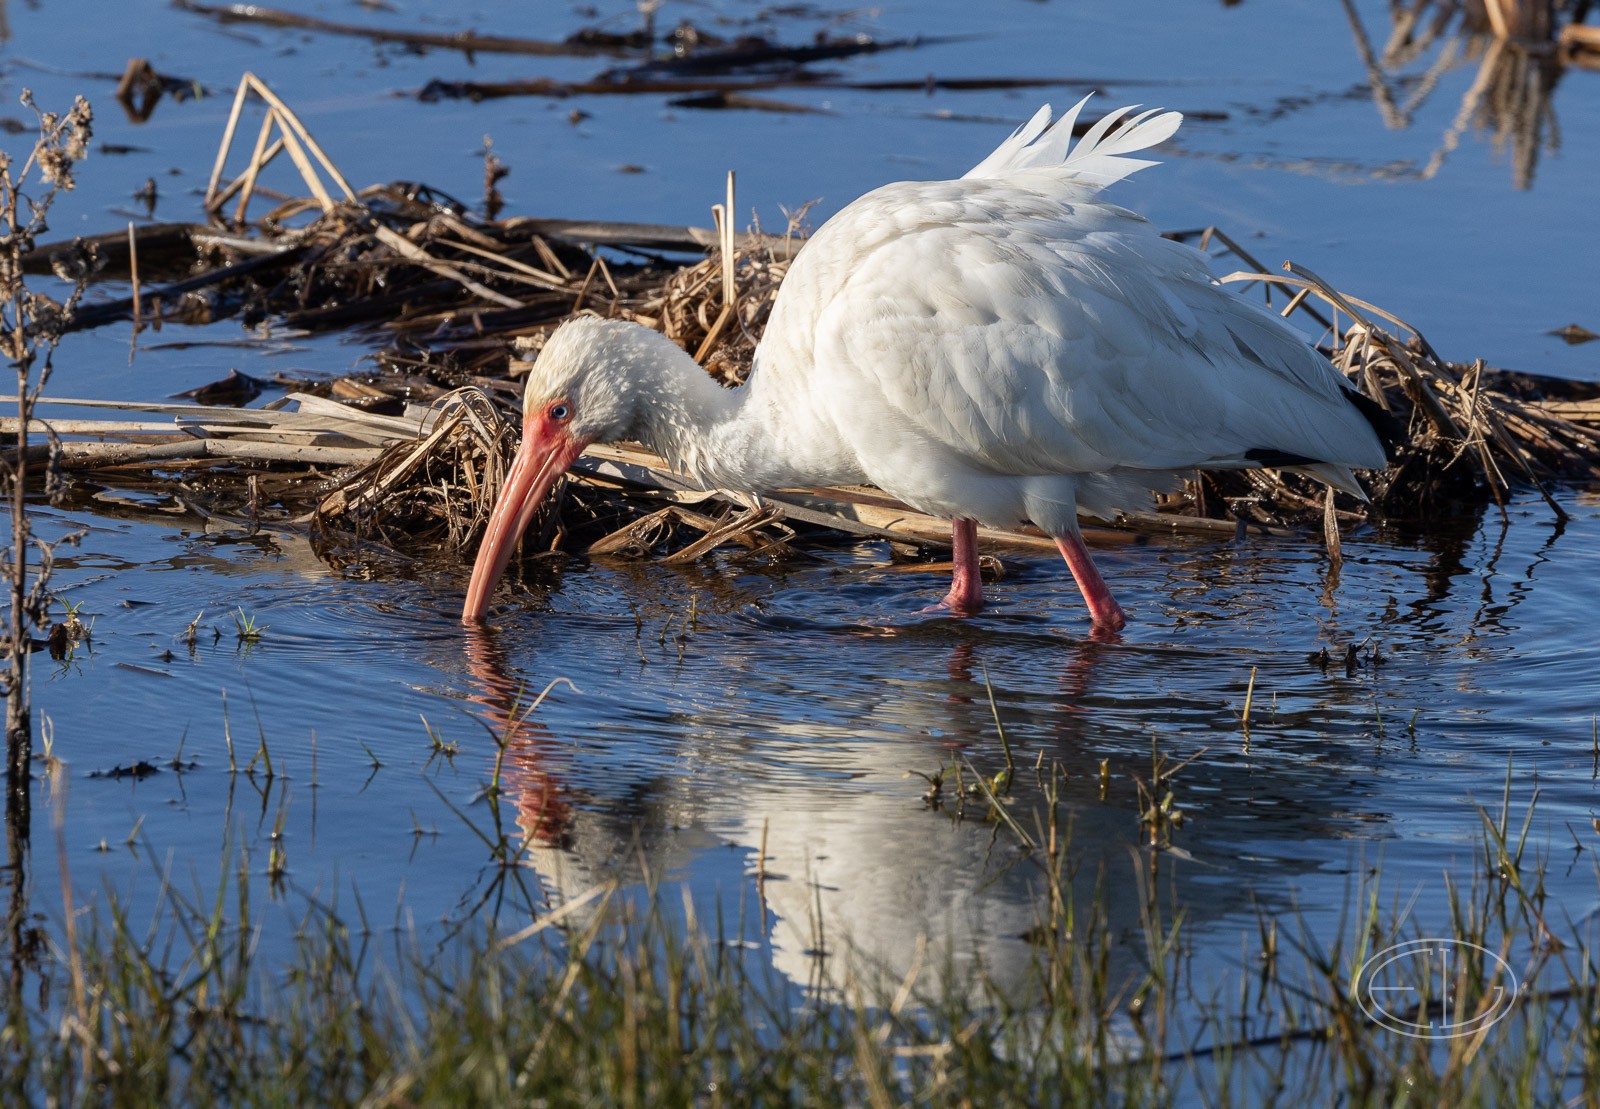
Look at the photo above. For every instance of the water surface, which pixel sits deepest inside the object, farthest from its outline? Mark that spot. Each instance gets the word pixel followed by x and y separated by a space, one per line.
pixel 719 707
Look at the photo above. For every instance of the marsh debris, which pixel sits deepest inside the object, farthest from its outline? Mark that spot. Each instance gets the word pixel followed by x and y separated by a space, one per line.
pixel 408 455
pixel 138 771
pixel 468 42
pixel 236 388
pixel 1575 333
pixel 141 88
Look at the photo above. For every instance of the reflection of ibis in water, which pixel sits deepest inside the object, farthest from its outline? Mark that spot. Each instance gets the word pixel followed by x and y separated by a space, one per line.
pixel 856 875
pixel 999 348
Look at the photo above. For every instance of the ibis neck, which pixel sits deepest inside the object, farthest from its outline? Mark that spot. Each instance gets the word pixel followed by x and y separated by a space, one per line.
pixel 727 438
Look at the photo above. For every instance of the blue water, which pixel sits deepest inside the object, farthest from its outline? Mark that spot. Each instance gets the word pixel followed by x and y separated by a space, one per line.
pixel 1304 166
pixel 790 707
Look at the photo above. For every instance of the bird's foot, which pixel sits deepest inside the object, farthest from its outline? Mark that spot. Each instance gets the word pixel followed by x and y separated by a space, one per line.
pixel 1106 615
pixel 1104 611
pixel 966 580
pixel 956 604
pixel 1105 633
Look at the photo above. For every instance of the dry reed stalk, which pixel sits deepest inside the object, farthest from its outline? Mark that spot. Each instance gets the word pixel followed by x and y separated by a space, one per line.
pixel 464 452
pixel 100 429
pixel 1330 533
pixel 718 307
pixel 228 129
pixel 414 253
pixel 133 277
pixel 446 275
pixel 640 536
pixel 389 471
pixel 294 137
pixel 1464 421
pixel 1580 45
pixel 736 529
pixel 722 215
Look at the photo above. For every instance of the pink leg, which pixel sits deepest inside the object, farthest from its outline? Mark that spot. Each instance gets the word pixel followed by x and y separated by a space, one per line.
pixel 966 586
pixel 1103 607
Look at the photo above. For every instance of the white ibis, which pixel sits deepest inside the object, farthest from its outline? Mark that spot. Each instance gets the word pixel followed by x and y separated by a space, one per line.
pixel 1000 348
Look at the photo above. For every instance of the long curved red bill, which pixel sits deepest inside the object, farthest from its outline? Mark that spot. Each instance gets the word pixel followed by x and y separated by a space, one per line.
pixel 545 455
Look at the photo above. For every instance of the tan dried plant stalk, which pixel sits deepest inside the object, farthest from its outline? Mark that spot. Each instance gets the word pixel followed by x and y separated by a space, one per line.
pixel 31 324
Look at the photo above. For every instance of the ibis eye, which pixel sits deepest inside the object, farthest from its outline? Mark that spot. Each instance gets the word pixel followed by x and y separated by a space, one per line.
pixel 560 412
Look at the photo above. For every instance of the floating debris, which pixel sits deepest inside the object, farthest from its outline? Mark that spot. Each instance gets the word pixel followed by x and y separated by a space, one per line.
pixel 138 771
pixel 141 88
pixel 409 456
pixel 726 100
pixel 236 388
pixel 468 42
pixel 1575 334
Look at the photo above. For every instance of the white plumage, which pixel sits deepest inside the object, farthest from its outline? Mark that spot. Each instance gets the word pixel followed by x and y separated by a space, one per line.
pixel 999 348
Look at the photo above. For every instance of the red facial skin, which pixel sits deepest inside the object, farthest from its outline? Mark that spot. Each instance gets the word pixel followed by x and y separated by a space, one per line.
pixel 548 449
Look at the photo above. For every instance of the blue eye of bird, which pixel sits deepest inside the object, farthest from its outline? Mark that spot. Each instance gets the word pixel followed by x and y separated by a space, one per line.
pixel 559 412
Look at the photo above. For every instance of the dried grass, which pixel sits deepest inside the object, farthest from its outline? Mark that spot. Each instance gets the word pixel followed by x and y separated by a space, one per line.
pixel 463 298
pixel 1466 439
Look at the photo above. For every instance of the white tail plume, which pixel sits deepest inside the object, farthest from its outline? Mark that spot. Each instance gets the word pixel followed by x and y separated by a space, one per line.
pixel 1099 158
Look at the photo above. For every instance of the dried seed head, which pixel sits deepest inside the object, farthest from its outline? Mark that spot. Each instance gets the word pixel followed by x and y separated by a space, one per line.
pixel 80 127
pixel 55 480
pixel 54 166
pixel 48 316
pixel 77 262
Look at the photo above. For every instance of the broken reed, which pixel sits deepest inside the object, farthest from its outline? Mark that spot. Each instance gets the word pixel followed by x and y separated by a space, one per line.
pixel 1470 433
pixel 464 296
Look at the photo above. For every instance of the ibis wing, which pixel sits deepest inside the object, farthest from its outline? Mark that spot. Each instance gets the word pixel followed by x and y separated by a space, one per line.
pixel 1032 329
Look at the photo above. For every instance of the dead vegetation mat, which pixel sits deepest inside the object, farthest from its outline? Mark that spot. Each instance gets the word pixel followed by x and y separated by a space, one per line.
pixel 408 455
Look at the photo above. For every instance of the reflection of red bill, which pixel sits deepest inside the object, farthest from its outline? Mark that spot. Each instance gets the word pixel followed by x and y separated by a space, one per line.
pixel 543 812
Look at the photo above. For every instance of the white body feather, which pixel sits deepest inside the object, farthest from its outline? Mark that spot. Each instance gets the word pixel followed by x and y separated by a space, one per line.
pixel 1009 346
pixel 1002 347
